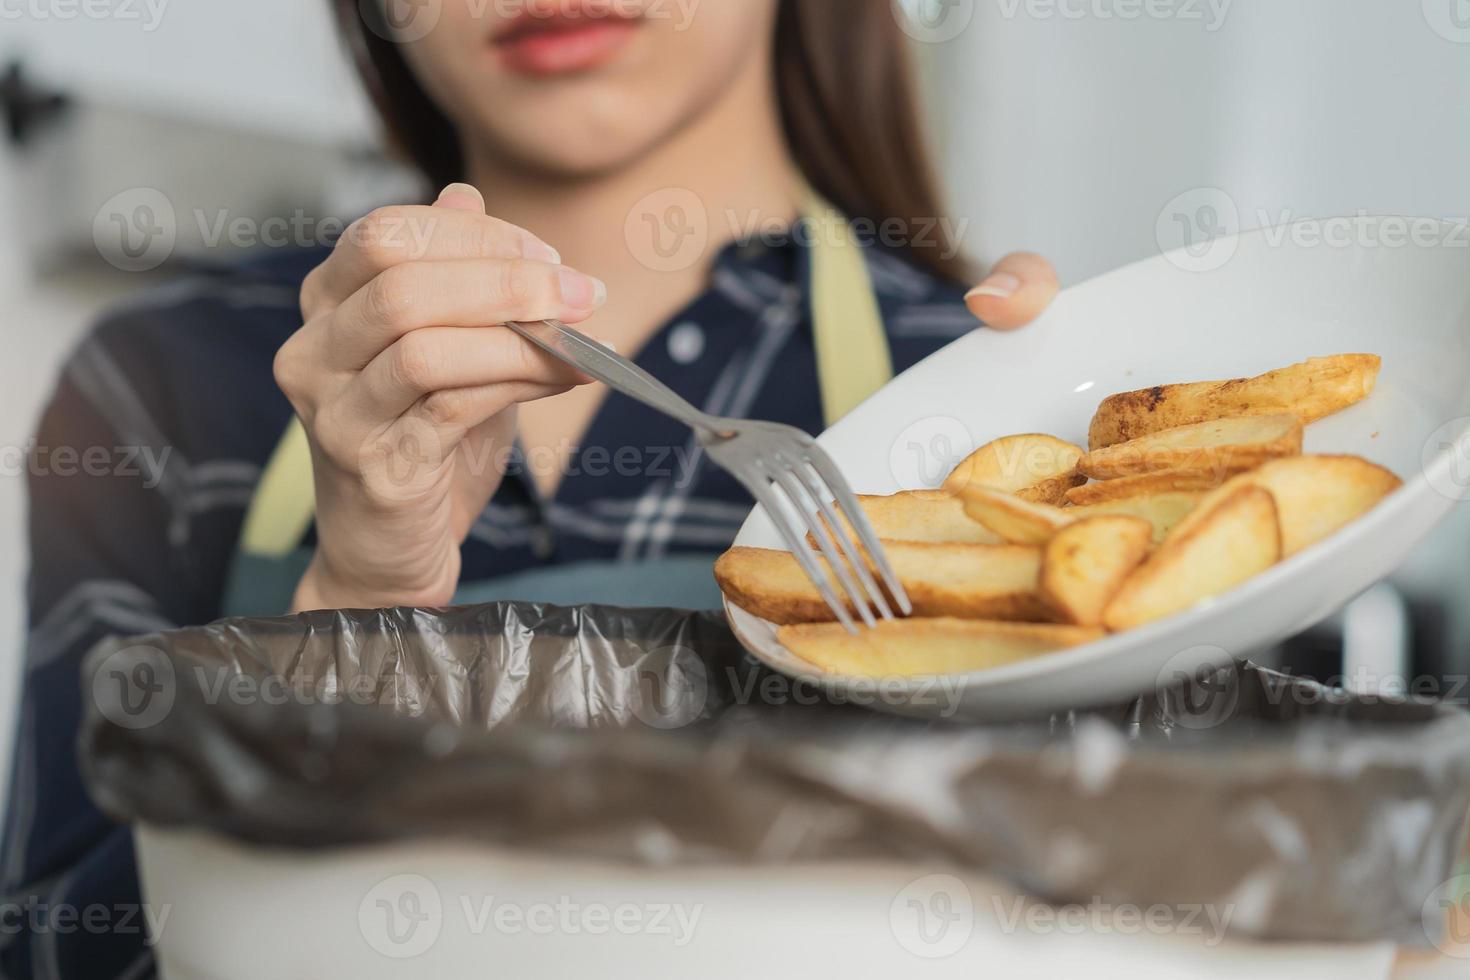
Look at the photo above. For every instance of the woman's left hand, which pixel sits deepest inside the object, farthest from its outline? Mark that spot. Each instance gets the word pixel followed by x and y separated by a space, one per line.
pixel 1017 291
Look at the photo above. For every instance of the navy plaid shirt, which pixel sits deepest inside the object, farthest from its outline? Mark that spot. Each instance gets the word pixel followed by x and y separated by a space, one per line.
pixel 177 389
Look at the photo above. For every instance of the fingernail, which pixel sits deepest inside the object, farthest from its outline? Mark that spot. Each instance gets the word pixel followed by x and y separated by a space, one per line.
pixel 463 195
pixel 536 250
pixel 580 291
pixel 1002 285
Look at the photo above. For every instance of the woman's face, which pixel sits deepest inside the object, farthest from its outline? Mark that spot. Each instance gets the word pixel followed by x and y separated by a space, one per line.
pixel 577 87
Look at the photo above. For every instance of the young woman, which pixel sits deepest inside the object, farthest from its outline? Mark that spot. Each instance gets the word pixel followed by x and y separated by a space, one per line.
pixel 663 174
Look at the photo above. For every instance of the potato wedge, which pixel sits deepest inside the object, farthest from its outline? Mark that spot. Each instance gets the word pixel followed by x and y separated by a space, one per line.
pixel 1234 540
pixel 1312 390
pixel 1017 521
pixel 1316 496
pixel 1085 565
pixel 1163 511
pixel 1219 448
pixel 1147 485
pixel 968 581
pixel 918 647
pixel 1038 468
pixel 924 516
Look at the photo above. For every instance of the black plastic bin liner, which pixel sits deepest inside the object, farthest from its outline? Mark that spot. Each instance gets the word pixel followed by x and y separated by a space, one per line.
pixel 649 737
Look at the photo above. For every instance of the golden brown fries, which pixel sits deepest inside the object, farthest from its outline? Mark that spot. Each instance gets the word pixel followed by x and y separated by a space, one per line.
pixel 1085 565
pixel 1219 448
pixel 1315 495
pixel 1311 390
pixel 1234 540
pixel 1196 489
pixel 968 581
pixel 1163 511
pixel 1038 468
pixel 1016 520
pixel 1148 485
pixel 924 516
pixel 918 647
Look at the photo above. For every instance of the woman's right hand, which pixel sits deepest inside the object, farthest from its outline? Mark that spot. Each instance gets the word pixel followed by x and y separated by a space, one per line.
pixel 407 385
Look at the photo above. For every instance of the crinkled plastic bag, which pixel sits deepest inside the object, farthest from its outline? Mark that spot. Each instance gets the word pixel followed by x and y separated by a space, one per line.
pixel 650 737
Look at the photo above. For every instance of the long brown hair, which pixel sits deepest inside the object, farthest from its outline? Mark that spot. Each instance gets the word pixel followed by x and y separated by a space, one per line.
pixel 848 99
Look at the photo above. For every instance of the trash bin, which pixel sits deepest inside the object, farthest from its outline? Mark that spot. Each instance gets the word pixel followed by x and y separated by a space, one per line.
pixel 537 791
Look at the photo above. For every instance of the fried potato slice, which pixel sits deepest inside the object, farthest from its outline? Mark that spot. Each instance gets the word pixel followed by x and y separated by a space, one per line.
pixel 1163 511
pixel 1316 496
pixel 919 647
pixel 1038 468
pixel 967 581
pixel 1085 565
pixel 1219 448
pixel 1312 390
pixel 925 516
pixel 1233 541
pixel 1147 485
pixel 1016 520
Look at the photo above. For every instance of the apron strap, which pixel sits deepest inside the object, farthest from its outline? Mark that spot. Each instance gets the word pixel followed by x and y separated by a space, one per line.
pixel 853 361
pixel 284 504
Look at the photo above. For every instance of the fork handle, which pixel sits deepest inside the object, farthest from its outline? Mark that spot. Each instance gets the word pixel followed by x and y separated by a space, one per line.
pixel 617 372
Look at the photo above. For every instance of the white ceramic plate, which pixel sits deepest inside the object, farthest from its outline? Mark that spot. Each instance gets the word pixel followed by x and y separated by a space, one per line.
pixel 1276 300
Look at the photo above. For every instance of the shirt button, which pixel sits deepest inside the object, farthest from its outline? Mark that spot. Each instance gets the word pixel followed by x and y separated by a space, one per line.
pixel 686 343
pixel 543 542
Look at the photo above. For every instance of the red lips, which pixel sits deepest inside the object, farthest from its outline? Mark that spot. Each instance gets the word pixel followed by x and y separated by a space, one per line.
pixel 565 38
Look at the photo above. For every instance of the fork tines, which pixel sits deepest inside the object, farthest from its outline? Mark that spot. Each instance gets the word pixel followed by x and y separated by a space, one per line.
pixel 820 507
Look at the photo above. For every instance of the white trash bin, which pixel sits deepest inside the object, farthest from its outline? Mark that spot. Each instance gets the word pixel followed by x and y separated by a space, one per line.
pixel 449 911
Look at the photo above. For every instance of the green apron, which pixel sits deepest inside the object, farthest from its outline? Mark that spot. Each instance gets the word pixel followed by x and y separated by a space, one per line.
pixel 853 361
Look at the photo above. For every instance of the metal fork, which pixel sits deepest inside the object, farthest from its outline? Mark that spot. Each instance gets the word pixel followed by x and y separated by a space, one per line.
pixel 766 458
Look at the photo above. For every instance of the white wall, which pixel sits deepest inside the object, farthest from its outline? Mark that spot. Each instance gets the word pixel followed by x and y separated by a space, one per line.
pixel 270 65
pixel 1074 135
pixel 1071 134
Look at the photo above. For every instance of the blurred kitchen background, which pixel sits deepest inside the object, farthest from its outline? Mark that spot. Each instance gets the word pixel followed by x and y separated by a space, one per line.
pixel 1071 127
